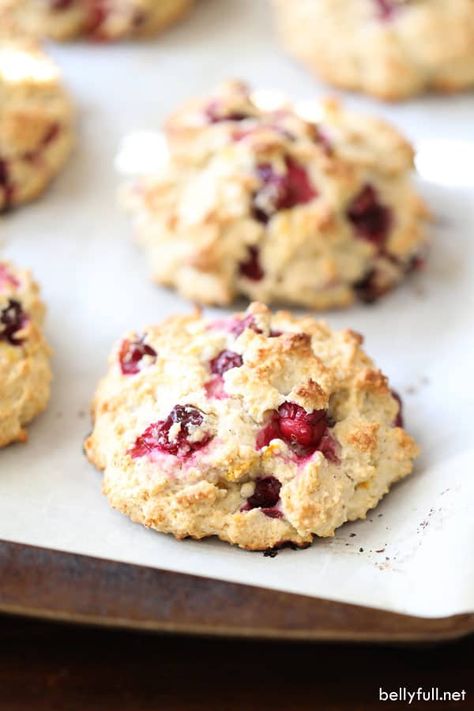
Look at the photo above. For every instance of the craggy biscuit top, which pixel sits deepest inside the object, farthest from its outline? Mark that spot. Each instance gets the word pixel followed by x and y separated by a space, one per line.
pixel 35 121
pixel 258 428
pixel 267 204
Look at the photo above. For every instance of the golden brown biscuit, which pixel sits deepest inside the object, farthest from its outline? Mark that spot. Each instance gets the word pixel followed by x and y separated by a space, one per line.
pixel 279 209
pixel 25 372
pixel 392 49
pixel 36 131
pixel 258 428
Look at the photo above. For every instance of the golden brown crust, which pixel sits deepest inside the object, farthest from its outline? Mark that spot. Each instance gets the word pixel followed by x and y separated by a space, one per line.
pixel 212 491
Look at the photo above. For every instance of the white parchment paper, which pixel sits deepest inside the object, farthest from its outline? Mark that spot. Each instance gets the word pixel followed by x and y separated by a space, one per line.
pixel 414 552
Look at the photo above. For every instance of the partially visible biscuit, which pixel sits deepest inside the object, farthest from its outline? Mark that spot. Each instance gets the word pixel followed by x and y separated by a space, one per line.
pixel 36 121
pixel 259 428
pixel 25 372
pixel 392 49
pixel 266 204
pixel 102 20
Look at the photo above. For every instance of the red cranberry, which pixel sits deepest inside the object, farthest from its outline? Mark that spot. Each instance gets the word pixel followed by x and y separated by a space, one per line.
pixel 371 219
pixel 328 446
pixel 12 320
pixel 300 428
pixel 281 191
pixel 304 432
pixel 368 290
pixel 241 324
pixel 131 355
pixel 97 14
pixel 6 186
pixel 225 361
pixel 266 494
pixel 398 421
pixel 323 139
pixel 269 432
pixel 157 436
pixel 252 268
pixel 216 113
pixel 58 5
pixel 215 388
pixel 7 279
pixel 386 9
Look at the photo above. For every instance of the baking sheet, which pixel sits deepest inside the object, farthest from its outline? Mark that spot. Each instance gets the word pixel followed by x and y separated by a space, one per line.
pixel 414 552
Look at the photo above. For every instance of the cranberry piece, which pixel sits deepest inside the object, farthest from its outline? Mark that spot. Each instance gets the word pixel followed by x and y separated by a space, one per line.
pixel 96 16
pixel 157 436
pixel 252 268
pixel 398 421
pixel 5 185
pixel 266 494
pixel 366 288
pixel 328 446
pixel 300 428
pixel 12 320
pixel 7 279
pixel 216 113
pixel 385 9
pixel 215 388
pixel 247 322
pixel 281 191
pixel 225 361
pixel 269 432
pixel 58 5
pixel 323 139
pixel 371 219
pixel 304 432
pixel 131 355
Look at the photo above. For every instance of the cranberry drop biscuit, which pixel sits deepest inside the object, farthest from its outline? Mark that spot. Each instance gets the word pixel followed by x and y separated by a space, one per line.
pixel 36 133
pixel 260 429
pixel 392 49
pixel 276 208
pixel 102 20
pixel 25 372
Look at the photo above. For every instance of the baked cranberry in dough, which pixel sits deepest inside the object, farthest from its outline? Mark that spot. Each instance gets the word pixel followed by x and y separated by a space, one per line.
pixel 25 372
pixel 102 20
pixel 265 204
pixel 392 49
pixel 258 428
pixel 36 132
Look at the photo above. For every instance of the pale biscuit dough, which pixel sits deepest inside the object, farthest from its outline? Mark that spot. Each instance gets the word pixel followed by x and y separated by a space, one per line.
pixel 25 372
pixel 392 49
pixel 260 429
pixel 102 20
pixel 36 120
pixel 277 208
